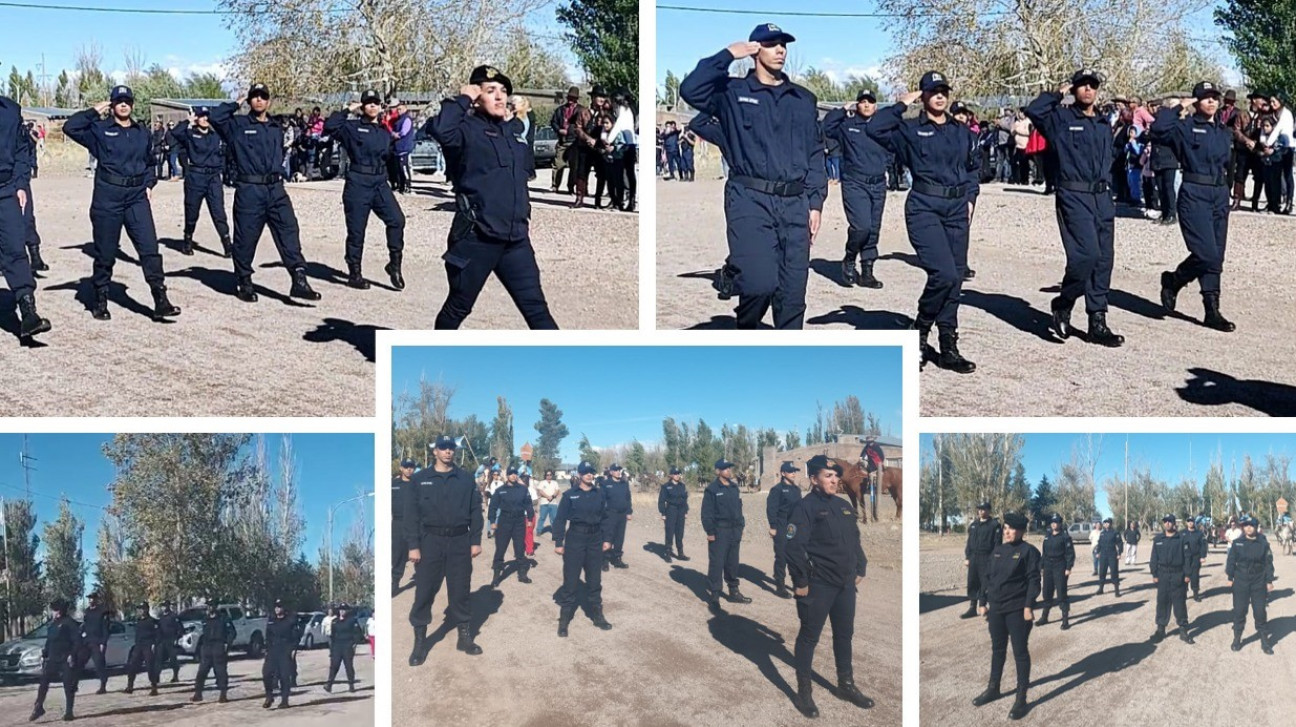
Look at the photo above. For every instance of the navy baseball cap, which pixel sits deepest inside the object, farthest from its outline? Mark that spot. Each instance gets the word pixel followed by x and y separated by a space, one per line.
pixel 820 462
pixel 585 468
pixel 866 94
pixel 1107 519
pixel 675 471
pixel 511 471
pixel 202 111
pixel 1204 89
pixel 1056 519
pixel 122 93
pixel 723 464
pixel 445 442
pixel 1015 520
pixel 370 96
pixel 614 468
pixel 788 467
pixel 1087 76
pixel 770 33
pixel 259 89
pixel 408 464
pixel 958 107
pixel 933 80
pixel 1169 518
pixel 984 506
pixel 489 74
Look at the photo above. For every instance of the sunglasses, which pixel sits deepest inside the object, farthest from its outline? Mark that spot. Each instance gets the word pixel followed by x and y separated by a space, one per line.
pixel 774 44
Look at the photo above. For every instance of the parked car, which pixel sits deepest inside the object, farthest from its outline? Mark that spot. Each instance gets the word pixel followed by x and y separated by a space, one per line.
pixel 20 658
pixel 249 629
pixel 312 628
pixel 546 146
pixel 1081 532
pixel 427 153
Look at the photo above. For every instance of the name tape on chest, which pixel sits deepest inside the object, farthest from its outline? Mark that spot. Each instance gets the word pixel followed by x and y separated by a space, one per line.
pixel 926 133
pixel 363 130
pixel 1076 128
pixel 749 99
pixel 112 133
pixel 855 131
pixel 249 131
pixel 1199 131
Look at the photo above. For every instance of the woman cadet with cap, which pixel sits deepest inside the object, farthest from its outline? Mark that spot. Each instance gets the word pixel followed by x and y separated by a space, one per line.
pixel 1057 561
pixel 580 536
pixel 827 564
pixel 1250 572
pixel 1008 597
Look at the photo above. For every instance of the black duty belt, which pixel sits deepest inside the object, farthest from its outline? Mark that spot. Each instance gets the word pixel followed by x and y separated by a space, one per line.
pixel 729 523
pixel 274 178
pixel 868 180
pixel 1092 187
pixel 446 532
pixel 366 169
pixel 584 527
pixel 1208 180
pixel 778 189
pixel 681 503
pixel 5 177
pixel 204 170
pixel 936 190
pixel 117 181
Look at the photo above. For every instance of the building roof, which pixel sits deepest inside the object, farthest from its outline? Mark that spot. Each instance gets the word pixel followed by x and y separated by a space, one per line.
pixel 49 112
pixel 881 439
pixel 188 103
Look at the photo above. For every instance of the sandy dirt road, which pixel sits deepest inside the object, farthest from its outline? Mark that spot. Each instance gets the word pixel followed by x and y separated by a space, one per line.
pixel 666 661
pixel 1169 366
pixel 279 356
pixel 1105 660
pixel 309 703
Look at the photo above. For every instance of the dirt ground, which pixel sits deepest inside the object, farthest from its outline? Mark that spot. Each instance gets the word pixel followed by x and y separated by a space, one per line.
pixel 666 661
pixel 309 703
pixel 1169 366
pixel 279 356
pixel 1105 660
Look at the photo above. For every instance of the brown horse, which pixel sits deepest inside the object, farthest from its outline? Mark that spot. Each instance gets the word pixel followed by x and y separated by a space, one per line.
pixel 856 483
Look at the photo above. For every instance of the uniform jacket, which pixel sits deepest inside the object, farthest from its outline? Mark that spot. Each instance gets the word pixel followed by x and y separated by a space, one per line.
pixel 587 508
pixel 1013 579
pixel 490 169
pixel 366 143
pixel 721 507
pixel 14 159
pixel 1170 556
pixel 511 503
pixel 442 500
pixel 95 623
pixel 1250 560
pixel 982 537
pixel 124 151
pixel 1082 144
pixel 862 156
pixel 1110 543
pixel 823 541
pixel 672 495
pixel 62 639
pixel 217 633
pixel 618 496
pixel 257 146
pixel 282 634
pixel 204 148
pixel 1059 549
pixel 1202 146
pixel 779 504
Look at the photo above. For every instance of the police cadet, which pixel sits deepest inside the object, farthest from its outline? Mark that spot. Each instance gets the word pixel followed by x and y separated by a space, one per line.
pixel 1081 140
pixel 863 181
pixel 1008 596
pixel 400 548
pixel 94 634
pixel 1250 572
pixel 616 487
pixel 510 509
pixel 443 529
pixel 123 193
pixel 33 238
pixel 281 641
pixel 491 228
pixel 1057 561
pixel 144 653
pixel 983 534
pixel 169 630
pixel 18 218
pixel 581 537
pixel 368 146
pixel 213 651
pixel 777 183
pixel 58 659
pixel 722 519
pixel 1202 145
pixel 202 178
pixel 778 508
pixel 342 642
pixel 827 564
pixel 1110 547
pixel 1197 552
pixel 938 211
pixel 256 142
pixel 1169 565
pixel 672 503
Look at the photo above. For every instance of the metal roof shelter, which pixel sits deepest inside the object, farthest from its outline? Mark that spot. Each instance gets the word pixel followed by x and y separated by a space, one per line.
pixel 47 113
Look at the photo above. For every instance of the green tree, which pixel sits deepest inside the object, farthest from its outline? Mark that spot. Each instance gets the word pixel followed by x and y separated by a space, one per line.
pixel 501 429
pixel 63 95
pixel 1261 35
pixel 671 99
pixel 204 85
pixel 65 568
pixel 1019 489
pixel 637 459
pixel 587 451
pixel 92 84
pixel 706 448
pixel 791 440
pixel 20 545
pixel 676 454
pixel 552 433
pixel 530 64
pixel 604 35
pixel 1042 502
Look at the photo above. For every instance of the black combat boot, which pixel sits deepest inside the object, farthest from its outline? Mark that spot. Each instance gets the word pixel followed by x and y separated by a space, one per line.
pixel 269 702
pixel 100 309
pixel 847 690
pixel 32 323
pixel 301 286
pixel 283 701
pixel 804 699
pixel 850 273
pixel 197 697
pixel 1159 636
pixel 175 677
pixel 393 269
pixel 499 576
pixel 925 351
pixel 1170 287
pixel 1043 619
pixel 736 596
pixel 419 653
pixel 37 264
pixel 971 612
pixel 153 691
pixel 245 291
pixel 607 565
pixel 103 687
pixel 1100 334
pixel 968 274
pixel 162 307
pixel 724 283
pixel 668 553
pixel 37 713
pixel 1237 640
pixel 1266 643
pixel 466 644
pixel 1066 624
pixel 130 685
pixel 522 576
pixel 1019 708
pixel 866 279
pixel 1213 318
pixel 355 278
pixel 1184 636
pixel 1061 317
pixel 223 699
pixel 564 619
pixel 950 358
pixel 227 246
pixel 681 555
pixel 989 695
pixel 596 617
pixel 1116 586
pixel 186 247
pixel 68 716
pixel 618 563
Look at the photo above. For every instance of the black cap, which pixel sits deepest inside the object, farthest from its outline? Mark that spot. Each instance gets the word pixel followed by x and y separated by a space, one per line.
pixel 1168 518
pixel 121 93
pixel 1204 89
pixel 723 464
pixel 278 603
pixel 1255 95
pixel 787 467
pixel 408 464
pixel 511 471
pixel 490 74
pixel 370 96
pixel 1087 76
pixel 344 606
pixel 769 33
pixel 614 468
pixel 675 471
pixel 958 107
pixel 598 92
pixel 585 468
pixel 259 89
pixel 1056 519
pixel 1230 95
pixel 447 442
pixel 1107 519
pixel 933 80
pixel 201 111
pixel 60 604
pixel 1015 520
pixel 984 506
pixel 866 94
pixel 1249 520
pixel 820 462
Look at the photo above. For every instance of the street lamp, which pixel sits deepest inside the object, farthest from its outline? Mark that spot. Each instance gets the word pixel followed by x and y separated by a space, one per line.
pixel 331 510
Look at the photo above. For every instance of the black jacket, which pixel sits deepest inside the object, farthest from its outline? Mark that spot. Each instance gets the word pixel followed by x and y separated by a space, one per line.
pixel 823 541
pixel 1250 560
pixel 1013 581
pixel 1170 556
pixel 442 500
pixel 721 507
pixel 982 537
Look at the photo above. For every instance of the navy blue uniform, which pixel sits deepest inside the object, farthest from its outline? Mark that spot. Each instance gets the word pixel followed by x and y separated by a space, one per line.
pixel 1197 550
pixel 29 212
pixel 580 529
pixel 672 502
pixel 775 152
pixel 825 555
pixel 1058 557
pixel 202 179
pixel 982 537
pixel 15 174
pixel 400 549
pixel 213 652
pixel 1011 585
pixel 143 655
pixel 346 633
pixel 282 636
pixel 671 145
pixel 491 229
pixel 169 630
pixel 123 177
pixel 722 517
pixel 1169 566
pixel 259 195
pixel 443 521
pixel 863 176
pixel 1085 211
pixel 94 640
pixel 619 508
pixel 512 504
pixel 778 510
pixel 1110 547
pixel 62 643
pixel 368 146
pixel 1250 566
pixel 1202 147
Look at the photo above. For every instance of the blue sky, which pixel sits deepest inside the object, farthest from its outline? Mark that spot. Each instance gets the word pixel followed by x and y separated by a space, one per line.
pixel 330 468
pixel 618 394
pixel 1170 457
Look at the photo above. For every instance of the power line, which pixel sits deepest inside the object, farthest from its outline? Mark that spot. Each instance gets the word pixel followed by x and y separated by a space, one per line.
pixel 801 13
pixel 54 497
pixel 129 11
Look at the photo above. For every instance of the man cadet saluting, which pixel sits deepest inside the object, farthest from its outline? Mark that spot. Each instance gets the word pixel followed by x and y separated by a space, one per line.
pixel 123 193
pixel 778 508
pixel 256 141
pixel 15 180
pixel 983 534
pixel 1169 566
pixel 723 522
pixel 777 182
pixel 202 178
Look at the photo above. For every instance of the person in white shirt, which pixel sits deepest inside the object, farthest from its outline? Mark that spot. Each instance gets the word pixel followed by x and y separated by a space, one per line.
pixel 549 491
pixel 1233 532
pixel 1284 126
pixel 495 484
pixel 531 524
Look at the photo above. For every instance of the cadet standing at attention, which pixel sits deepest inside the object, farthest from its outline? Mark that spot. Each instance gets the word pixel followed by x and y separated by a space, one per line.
pixel 672 503
pixel 510 509
pixel 169 629
pixel 400 549
pixel 1057 561
pixel 1082 142
pixel 62 642
pixel 213 651
pixel 202 178
pixel 123 194
pixel 94 632
pixel 777 183
pixel 144 653
pixel 1169 565
pixel 15 205
pixel 342 642
pixel 1250 573
pixel 1197 551
pixel 281 642
pixel 580 536
pixel 827 564
pixel 443 529
pixel 1008 596
pixel 256 140
pixel 778 508
pixel 1110 547
pixel 368 145
pixel 1202 145
pixel 620 510
pixel 491 229
pixel 722 519
pixel 983 534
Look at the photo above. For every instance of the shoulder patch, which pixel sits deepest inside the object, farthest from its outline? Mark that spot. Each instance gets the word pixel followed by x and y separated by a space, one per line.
pixel 791 531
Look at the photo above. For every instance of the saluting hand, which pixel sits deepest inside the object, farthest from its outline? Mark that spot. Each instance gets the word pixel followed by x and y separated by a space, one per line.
pixel 415 556
pixel 744 49
pixel 475 551
pixel 1064 88
pixel 353 107
pixel 102 107
pixel 472 91
pixel 910 97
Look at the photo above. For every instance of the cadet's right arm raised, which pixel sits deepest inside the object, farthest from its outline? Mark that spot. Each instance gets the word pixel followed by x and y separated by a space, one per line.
pixel 701 88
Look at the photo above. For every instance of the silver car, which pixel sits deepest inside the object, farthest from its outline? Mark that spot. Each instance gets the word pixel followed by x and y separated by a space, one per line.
pixel 20 658
pixel 312 628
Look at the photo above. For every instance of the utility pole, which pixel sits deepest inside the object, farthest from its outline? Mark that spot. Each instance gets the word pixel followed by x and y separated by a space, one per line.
pixel 1126 480
pixel 23 460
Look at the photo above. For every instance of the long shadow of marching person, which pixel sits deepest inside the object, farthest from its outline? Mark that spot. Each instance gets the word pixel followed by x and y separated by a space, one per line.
pixel 1107 661
pixel 1111 609
pixel 482 604
pixel 691 579
pixel 758 644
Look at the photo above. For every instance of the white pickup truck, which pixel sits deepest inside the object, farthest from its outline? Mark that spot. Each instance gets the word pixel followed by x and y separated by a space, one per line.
pixel 249 629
